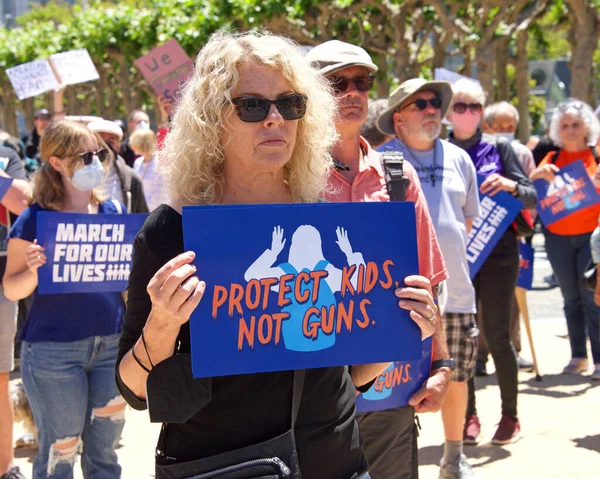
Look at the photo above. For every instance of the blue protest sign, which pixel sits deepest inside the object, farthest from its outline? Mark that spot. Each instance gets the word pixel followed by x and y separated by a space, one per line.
pixel 526 254
pixel 497 214
pixel 394 387
pixel 572 190
pixel 4 186
pixel 301 286
pixel 86 253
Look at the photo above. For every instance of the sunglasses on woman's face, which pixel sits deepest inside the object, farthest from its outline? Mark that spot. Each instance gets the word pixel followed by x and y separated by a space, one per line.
pixel 422 104
pixel 362 83
pixel 252 109
pixel 88 156
pixel 460 107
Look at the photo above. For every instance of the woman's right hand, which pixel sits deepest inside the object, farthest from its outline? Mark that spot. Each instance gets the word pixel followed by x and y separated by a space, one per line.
pixel 35 256
pixel 175 292
pixel 546 172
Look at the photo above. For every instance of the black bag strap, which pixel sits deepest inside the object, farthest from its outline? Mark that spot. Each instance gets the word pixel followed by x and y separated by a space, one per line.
pixel 592 149
pixel 393 172
pixel 297 388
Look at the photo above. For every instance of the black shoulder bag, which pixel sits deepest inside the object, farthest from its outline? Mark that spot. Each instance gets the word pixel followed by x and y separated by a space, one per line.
pixel 393 172
pixel 276 458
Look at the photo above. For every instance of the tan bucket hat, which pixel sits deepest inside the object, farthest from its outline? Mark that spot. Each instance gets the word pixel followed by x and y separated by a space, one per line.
pixel 334 55
pixel 443 90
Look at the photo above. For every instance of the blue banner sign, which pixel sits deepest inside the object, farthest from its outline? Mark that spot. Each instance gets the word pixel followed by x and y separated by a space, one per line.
pixel 86 253
pixel 395 386
pixel 526 254
pixel 301 286
pixel 497 214
pixel 572 190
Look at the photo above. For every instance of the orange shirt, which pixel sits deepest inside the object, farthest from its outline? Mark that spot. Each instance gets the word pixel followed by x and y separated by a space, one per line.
pixel 586 220
pixel 369 185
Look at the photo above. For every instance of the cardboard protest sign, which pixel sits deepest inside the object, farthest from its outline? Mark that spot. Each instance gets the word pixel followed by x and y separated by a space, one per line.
pixel 74 66
pixel 572 190
pixel 166 68
pixel 86 253
pixel 31 79
pixel 526 254
pixel 397 384
pixel 4 184
pixel 301 286
pixel 497 214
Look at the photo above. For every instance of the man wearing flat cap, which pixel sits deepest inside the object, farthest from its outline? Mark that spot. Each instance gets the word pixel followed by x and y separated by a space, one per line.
pixel 414 115
pixel 390 436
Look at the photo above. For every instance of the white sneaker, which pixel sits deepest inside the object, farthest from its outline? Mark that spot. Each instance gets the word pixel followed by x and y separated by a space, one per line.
pixel 459 469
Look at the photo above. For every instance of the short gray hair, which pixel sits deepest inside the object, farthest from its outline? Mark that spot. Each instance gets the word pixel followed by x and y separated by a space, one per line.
pixel 369 128
pixel 468 88
pixel 584 112
pixel 500 108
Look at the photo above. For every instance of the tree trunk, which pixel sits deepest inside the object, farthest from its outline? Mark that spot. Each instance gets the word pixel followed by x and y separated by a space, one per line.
pixel 503 89
pixel 484 56
pixel 383 84
pixel 522 84
pixel 27 106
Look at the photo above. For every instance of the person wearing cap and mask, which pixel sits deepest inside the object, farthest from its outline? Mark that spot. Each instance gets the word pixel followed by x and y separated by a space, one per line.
pixel 122 183
pixel 414 116
pixel 390 436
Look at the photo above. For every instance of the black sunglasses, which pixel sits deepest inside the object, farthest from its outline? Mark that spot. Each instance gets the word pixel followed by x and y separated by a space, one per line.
pixel 252 109
pixel 88 156
pixel 460 107
pixel 421 103
pixel 362 83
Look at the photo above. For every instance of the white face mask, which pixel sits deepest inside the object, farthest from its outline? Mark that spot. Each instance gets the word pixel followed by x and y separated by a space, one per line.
pixel 88 177
pixel 508 136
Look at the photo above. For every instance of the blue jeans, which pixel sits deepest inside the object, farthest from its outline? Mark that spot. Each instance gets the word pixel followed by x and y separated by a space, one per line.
pixel 68 385
pixel 569 256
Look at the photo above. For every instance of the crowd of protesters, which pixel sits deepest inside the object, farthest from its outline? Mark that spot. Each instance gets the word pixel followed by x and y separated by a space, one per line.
pixel 259 122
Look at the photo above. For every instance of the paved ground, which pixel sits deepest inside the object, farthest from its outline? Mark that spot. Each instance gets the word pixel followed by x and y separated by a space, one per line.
pixel 560 415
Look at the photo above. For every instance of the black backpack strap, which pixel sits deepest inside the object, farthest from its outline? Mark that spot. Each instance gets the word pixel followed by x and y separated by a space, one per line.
pixel 393 173
pixel 297 388
pixel 554 157
pixel 595 154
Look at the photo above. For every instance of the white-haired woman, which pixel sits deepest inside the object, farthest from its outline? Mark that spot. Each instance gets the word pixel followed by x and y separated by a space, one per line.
pixel 496 280
pixel 574 129
pixel 254 125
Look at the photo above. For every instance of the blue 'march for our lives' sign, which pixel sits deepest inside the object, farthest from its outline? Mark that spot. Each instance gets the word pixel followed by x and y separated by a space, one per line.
pixel 497 214
pixel 571 191
pixel 86 253
pixel 301 286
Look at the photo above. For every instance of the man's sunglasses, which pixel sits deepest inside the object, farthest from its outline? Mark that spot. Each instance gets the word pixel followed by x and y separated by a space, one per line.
pixel 461 107
pixel 362 83
pixel 421 103
pixel 88 156
pixel 252 109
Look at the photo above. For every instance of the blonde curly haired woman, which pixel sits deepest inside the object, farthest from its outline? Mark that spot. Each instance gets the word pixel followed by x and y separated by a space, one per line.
pixel 254 125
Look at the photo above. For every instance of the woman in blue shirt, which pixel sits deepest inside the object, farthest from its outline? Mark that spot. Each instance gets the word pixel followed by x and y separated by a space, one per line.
pixel 70 340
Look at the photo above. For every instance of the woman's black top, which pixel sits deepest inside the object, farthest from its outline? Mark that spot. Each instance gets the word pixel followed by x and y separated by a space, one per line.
pixel 244 409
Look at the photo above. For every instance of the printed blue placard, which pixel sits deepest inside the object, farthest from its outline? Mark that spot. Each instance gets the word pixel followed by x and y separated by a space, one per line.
pixel 4 186
pixel 526 254
pixel 572 190
pixel 86 253
pixel 497 214
pixel 301 286
pixel 395 386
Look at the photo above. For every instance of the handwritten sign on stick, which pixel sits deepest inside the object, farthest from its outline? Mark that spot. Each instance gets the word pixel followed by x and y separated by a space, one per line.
pixel 74 66
pixel 166 68
pixel 571 191
pixel 31 79
pixel 497 214
pixel 86 253
pixel 301 286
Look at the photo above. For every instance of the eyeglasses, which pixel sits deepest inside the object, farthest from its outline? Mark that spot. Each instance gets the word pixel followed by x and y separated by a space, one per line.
pixel 362 83
pixel 88 156
pixel 460 107
pixel 252 109
pixel 421 103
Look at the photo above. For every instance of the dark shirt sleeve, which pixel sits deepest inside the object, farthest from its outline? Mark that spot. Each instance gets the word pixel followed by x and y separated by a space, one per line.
pixel 15 169
pixel 514 171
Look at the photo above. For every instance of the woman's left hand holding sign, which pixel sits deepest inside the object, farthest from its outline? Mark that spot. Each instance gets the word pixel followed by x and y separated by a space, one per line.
pixel 417 298
pixel 175 292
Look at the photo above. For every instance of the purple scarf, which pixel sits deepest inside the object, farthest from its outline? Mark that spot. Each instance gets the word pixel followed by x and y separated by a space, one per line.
pixel 485 156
